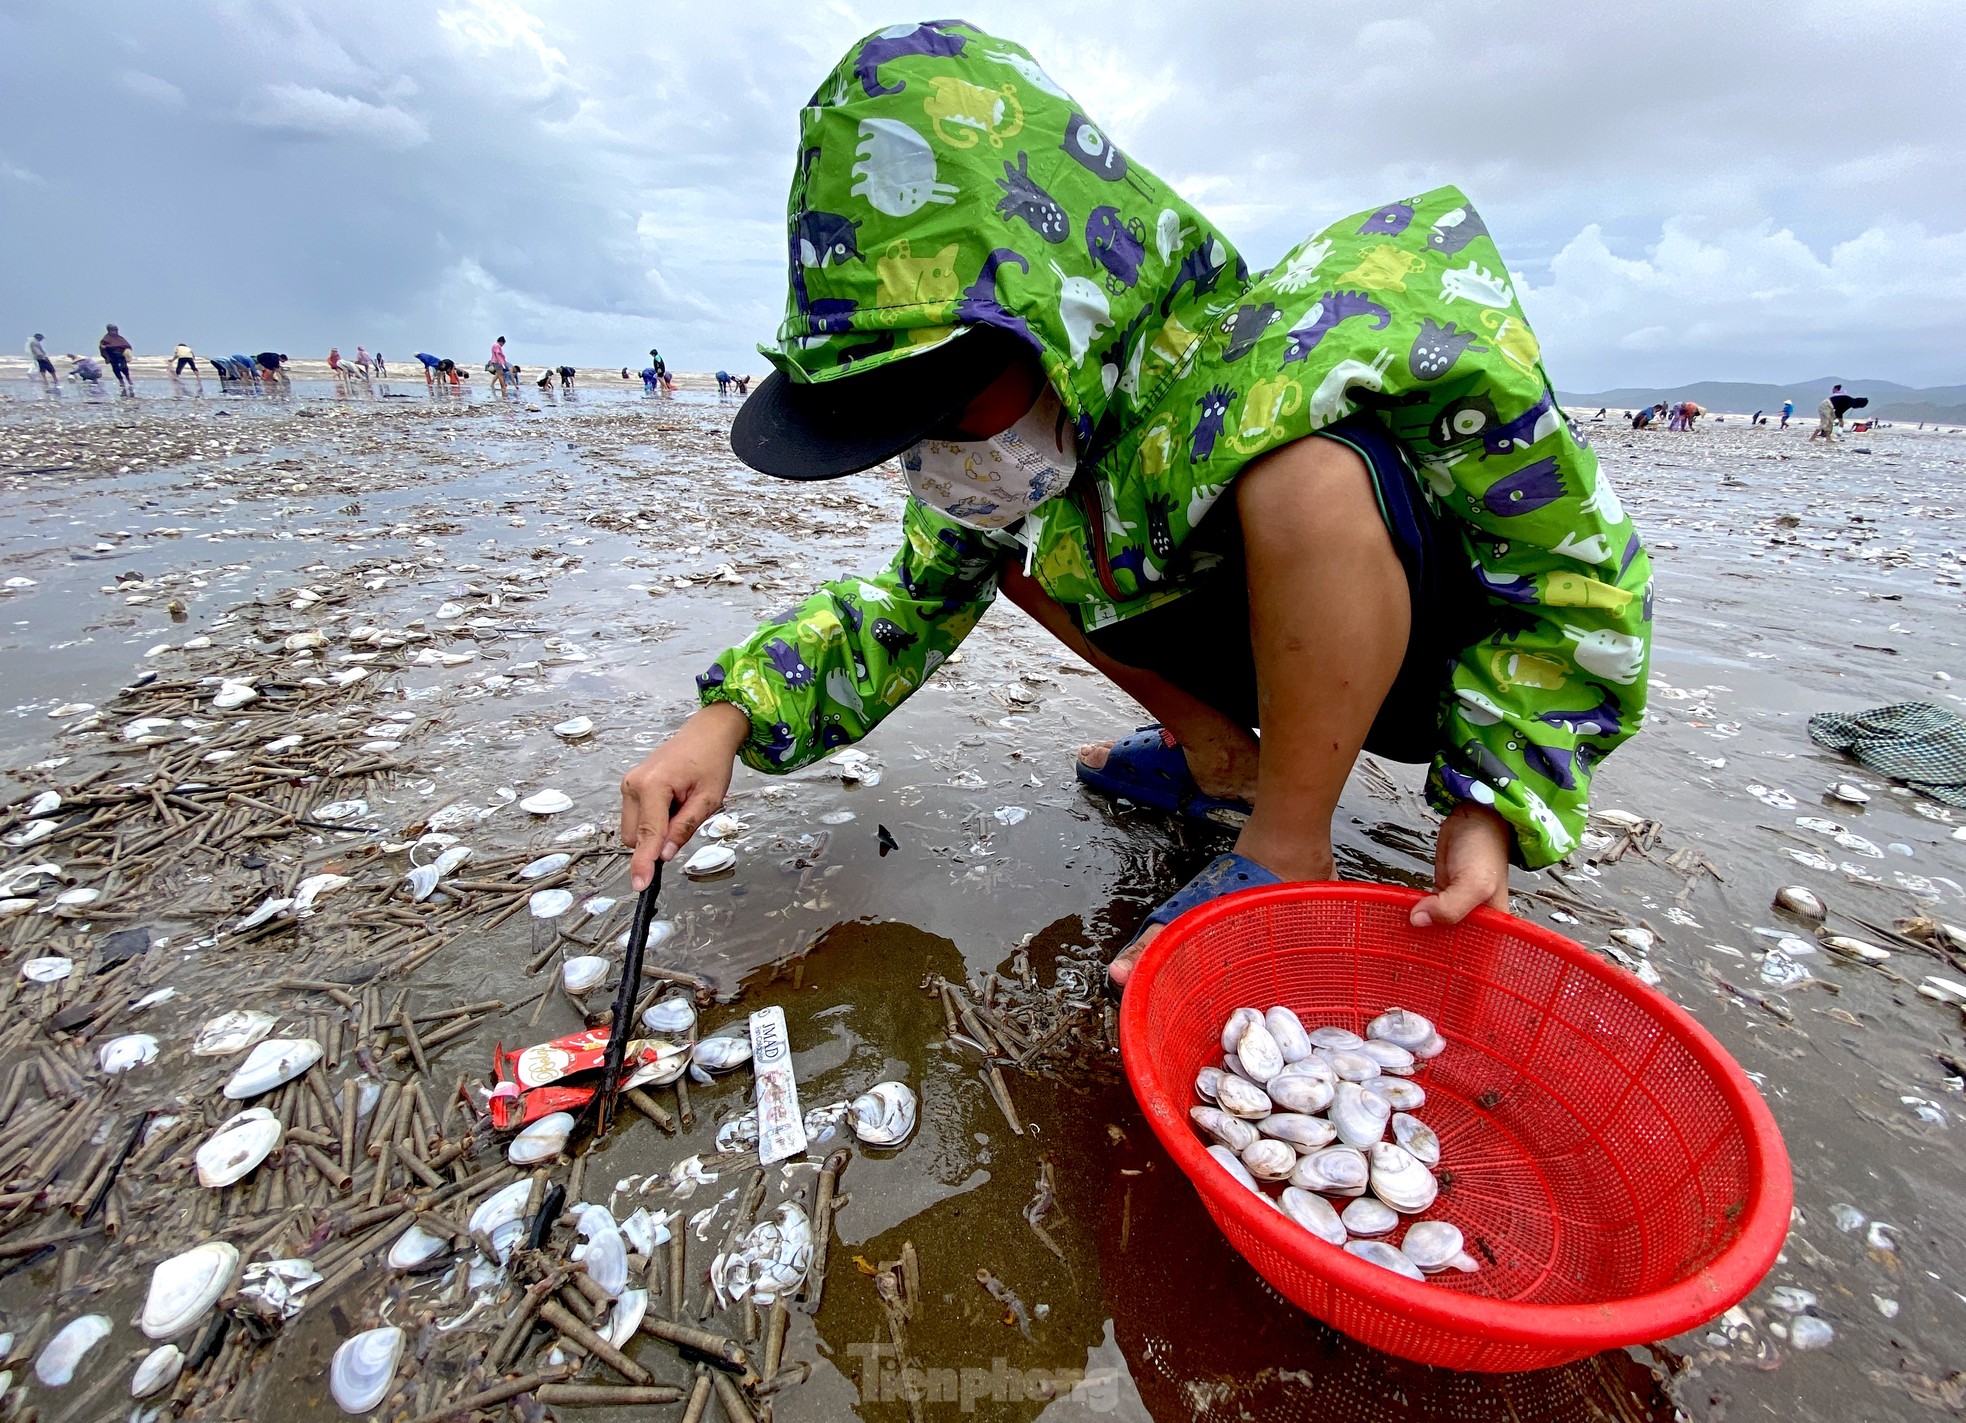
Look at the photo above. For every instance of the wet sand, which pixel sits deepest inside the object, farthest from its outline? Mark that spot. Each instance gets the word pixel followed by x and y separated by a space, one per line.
pixel 594 554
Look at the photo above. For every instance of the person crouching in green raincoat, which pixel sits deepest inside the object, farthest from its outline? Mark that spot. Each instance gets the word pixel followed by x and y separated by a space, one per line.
pixel 1334 503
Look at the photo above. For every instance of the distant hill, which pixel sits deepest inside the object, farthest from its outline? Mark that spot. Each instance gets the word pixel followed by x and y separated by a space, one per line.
pixel 1942 404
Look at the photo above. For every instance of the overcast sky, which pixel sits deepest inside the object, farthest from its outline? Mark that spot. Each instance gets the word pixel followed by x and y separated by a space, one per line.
pixel 1686 191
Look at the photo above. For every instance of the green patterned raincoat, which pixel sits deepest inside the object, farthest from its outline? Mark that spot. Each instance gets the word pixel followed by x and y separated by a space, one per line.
pixel 945 180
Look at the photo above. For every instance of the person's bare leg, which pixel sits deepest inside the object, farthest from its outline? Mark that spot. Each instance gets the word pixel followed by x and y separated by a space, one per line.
pixel 1221 754
pixel 1329 615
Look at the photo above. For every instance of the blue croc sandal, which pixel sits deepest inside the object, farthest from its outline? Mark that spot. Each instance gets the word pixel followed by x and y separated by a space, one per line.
pixel 1148 769
pixel 1225 874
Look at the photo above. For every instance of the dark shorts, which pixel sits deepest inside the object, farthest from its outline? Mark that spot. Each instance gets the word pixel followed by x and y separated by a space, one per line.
pixel 118 362
pixel 185 363
pixel 1201 641
pixel 46 366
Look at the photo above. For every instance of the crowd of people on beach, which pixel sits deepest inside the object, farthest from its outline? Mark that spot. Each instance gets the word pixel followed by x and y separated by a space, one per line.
pixel 267 371
pixel 1681 414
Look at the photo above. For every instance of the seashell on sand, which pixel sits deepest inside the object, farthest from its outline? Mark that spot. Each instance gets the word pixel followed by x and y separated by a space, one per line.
pixel 185 1286
pixel 363 1367
pixel 158 1371
pixel 55 1365
pixel 885 1114
pixel 1801 901
pixel 417 1249
pixel 549 903
pixel 710 860
pixel 545 865
pixel 673 1016
pixel 584 973
pixel 500 1217
pixel 542 1141
pixel 574 728
pixel 231 1032
pixel 123 1053
pixel 546 803
pixel 274 1063
pixel 237 1147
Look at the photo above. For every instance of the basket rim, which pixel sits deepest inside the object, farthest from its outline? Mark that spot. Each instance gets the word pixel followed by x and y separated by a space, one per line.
pixel 1659 1314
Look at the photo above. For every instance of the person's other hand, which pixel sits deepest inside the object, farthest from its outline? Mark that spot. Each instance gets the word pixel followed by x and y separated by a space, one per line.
pixel 1471 866
pixel 678 786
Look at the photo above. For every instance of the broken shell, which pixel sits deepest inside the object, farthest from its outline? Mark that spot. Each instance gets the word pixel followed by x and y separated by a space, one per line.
pixel 549 903
pixel 273 1063
pixel 1400 1180
pixel 422 882
pixel 574 728
pixel 1382 1254
pixel 626 1317
pixel 130 1050
pixel 723 826
pixel 710 860
pixel 1367 1216
pixel 1855 948
pixel 1802 902
pixel 1333 1171
pixel 158 1371
pixel 587 971
pixel 239 1145
pixel 231 1032
pixel 52 969
pixel 500 1217
pixel 55 1365
pixel 542 1140
pixel 544 866
pixel 46 803
pixel 183 1287
pixel 1435 1245
pixel 313 887
pixel 363 1368
pixel 417 1249
pixel 883 1115
pixel 261 915
pixel 546 803
pixel 674 1016
pixel 1233 1132
pixel 1314 1213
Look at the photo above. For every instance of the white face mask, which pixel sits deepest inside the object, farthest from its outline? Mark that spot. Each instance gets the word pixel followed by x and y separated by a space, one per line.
pixel 991 484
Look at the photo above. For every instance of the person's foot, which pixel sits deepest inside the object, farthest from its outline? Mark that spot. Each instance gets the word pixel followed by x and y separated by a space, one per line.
pixel 1121 968
pixel 1223 765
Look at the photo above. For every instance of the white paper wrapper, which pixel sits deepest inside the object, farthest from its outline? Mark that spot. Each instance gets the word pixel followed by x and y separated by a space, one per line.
pixel 781 1127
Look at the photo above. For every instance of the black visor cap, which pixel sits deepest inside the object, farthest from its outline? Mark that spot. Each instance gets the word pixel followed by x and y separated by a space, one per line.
pixel 824 429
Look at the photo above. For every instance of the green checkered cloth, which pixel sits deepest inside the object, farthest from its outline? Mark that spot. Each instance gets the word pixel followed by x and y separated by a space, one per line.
pixel 1915 742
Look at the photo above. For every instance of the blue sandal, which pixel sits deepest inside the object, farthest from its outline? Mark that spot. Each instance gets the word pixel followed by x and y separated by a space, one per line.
pixel 1149 769
pixel 1225 874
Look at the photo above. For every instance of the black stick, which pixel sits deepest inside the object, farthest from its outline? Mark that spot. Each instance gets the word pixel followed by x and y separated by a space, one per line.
pixel 624 1000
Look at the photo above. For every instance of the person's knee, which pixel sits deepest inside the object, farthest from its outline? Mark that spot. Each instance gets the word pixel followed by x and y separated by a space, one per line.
pixel 1310 489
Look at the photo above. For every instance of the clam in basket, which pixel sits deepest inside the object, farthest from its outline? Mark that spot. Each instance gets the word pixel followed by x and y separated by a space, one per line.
pixel 1617 1175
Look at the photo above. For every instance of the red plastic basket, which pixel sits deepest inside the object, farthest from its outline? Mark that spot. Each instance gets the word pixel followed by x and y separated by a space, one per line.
pixel 1619 1174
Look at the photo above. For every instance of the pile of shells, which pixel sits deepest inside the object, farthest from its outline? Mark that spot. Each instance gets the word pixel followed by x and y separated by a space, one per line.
pixel 1310 1110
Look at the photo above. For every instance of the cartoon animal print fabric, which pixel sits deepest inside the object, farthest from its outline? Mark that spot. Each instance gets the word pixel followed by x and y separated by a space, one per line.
pixel 944 180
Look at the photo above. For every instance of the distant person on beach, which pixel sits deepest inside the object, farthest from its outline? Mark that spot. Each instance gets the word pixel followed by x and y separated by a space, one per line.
pixel 1688 413
pixel 1223 517
pixel 185 359
pixel 1788 409
pixel 1602 411
pixel 85 370
pixel 45 368
pixel 723 382
pixel 650 378
pixel 1827 415
pixel 567 373
pixel 499 370
pixel 430 364
pixel 743 384
pixel 362 361
pixel 1643 419
pixel 115 348
pixel 273 367
pixel 381 370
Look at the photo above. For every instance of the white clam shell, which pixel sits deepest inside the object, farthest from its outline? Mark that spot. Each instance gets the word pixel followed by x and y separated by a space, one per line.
pixel 1303 1132
pixel 1351 1064
pixel 625 1318
pixel 239 1145
pixel 573 728
pixel 128 1051
pixel 1303 1091
pixel 1435 1245
pixel 231 1032
pixel 364 1366
pixel 158 1371
pixel 724 1052
pixel 1232 1164
pixel 1268 1159
pixel 185 1286
pixel 422 882
pixel 549 903
pixel 1801 901
pixel 266 912
pixel 723 826
pixel 542 1141
pixel 1208 1082
pixel 1434 1046
pixel 660 933
pixel 1334 1039
pixel 1367 1216
pixel 46 803
pixel 1400 1180
pixel 1242 1098
pixel 234 694
pixel 1382 1254
pixel 1333 1171
pixel 584 972
pixel 55 1365
pixel 1314 1213
pixel 710 860
pixel 545 865
pixel 606 1257
pixel 1417 1137
pixel 500 1217
pixel 1261 1058
pixel 674 1016
pixel 1391 1057
pixel 52 969
pixel 272 1064
pixel 417 1249
pixel 885 1114
pixel 1238 1021
pixel 1360 1117
pixel 1232 1132
pixel 1288 1030
pixel 1396 1092
pixel 546 803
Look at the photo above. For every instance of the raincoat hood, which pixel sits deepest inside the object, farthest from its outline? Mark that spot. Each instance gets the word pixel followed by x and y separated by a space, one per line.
pixel 945 180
